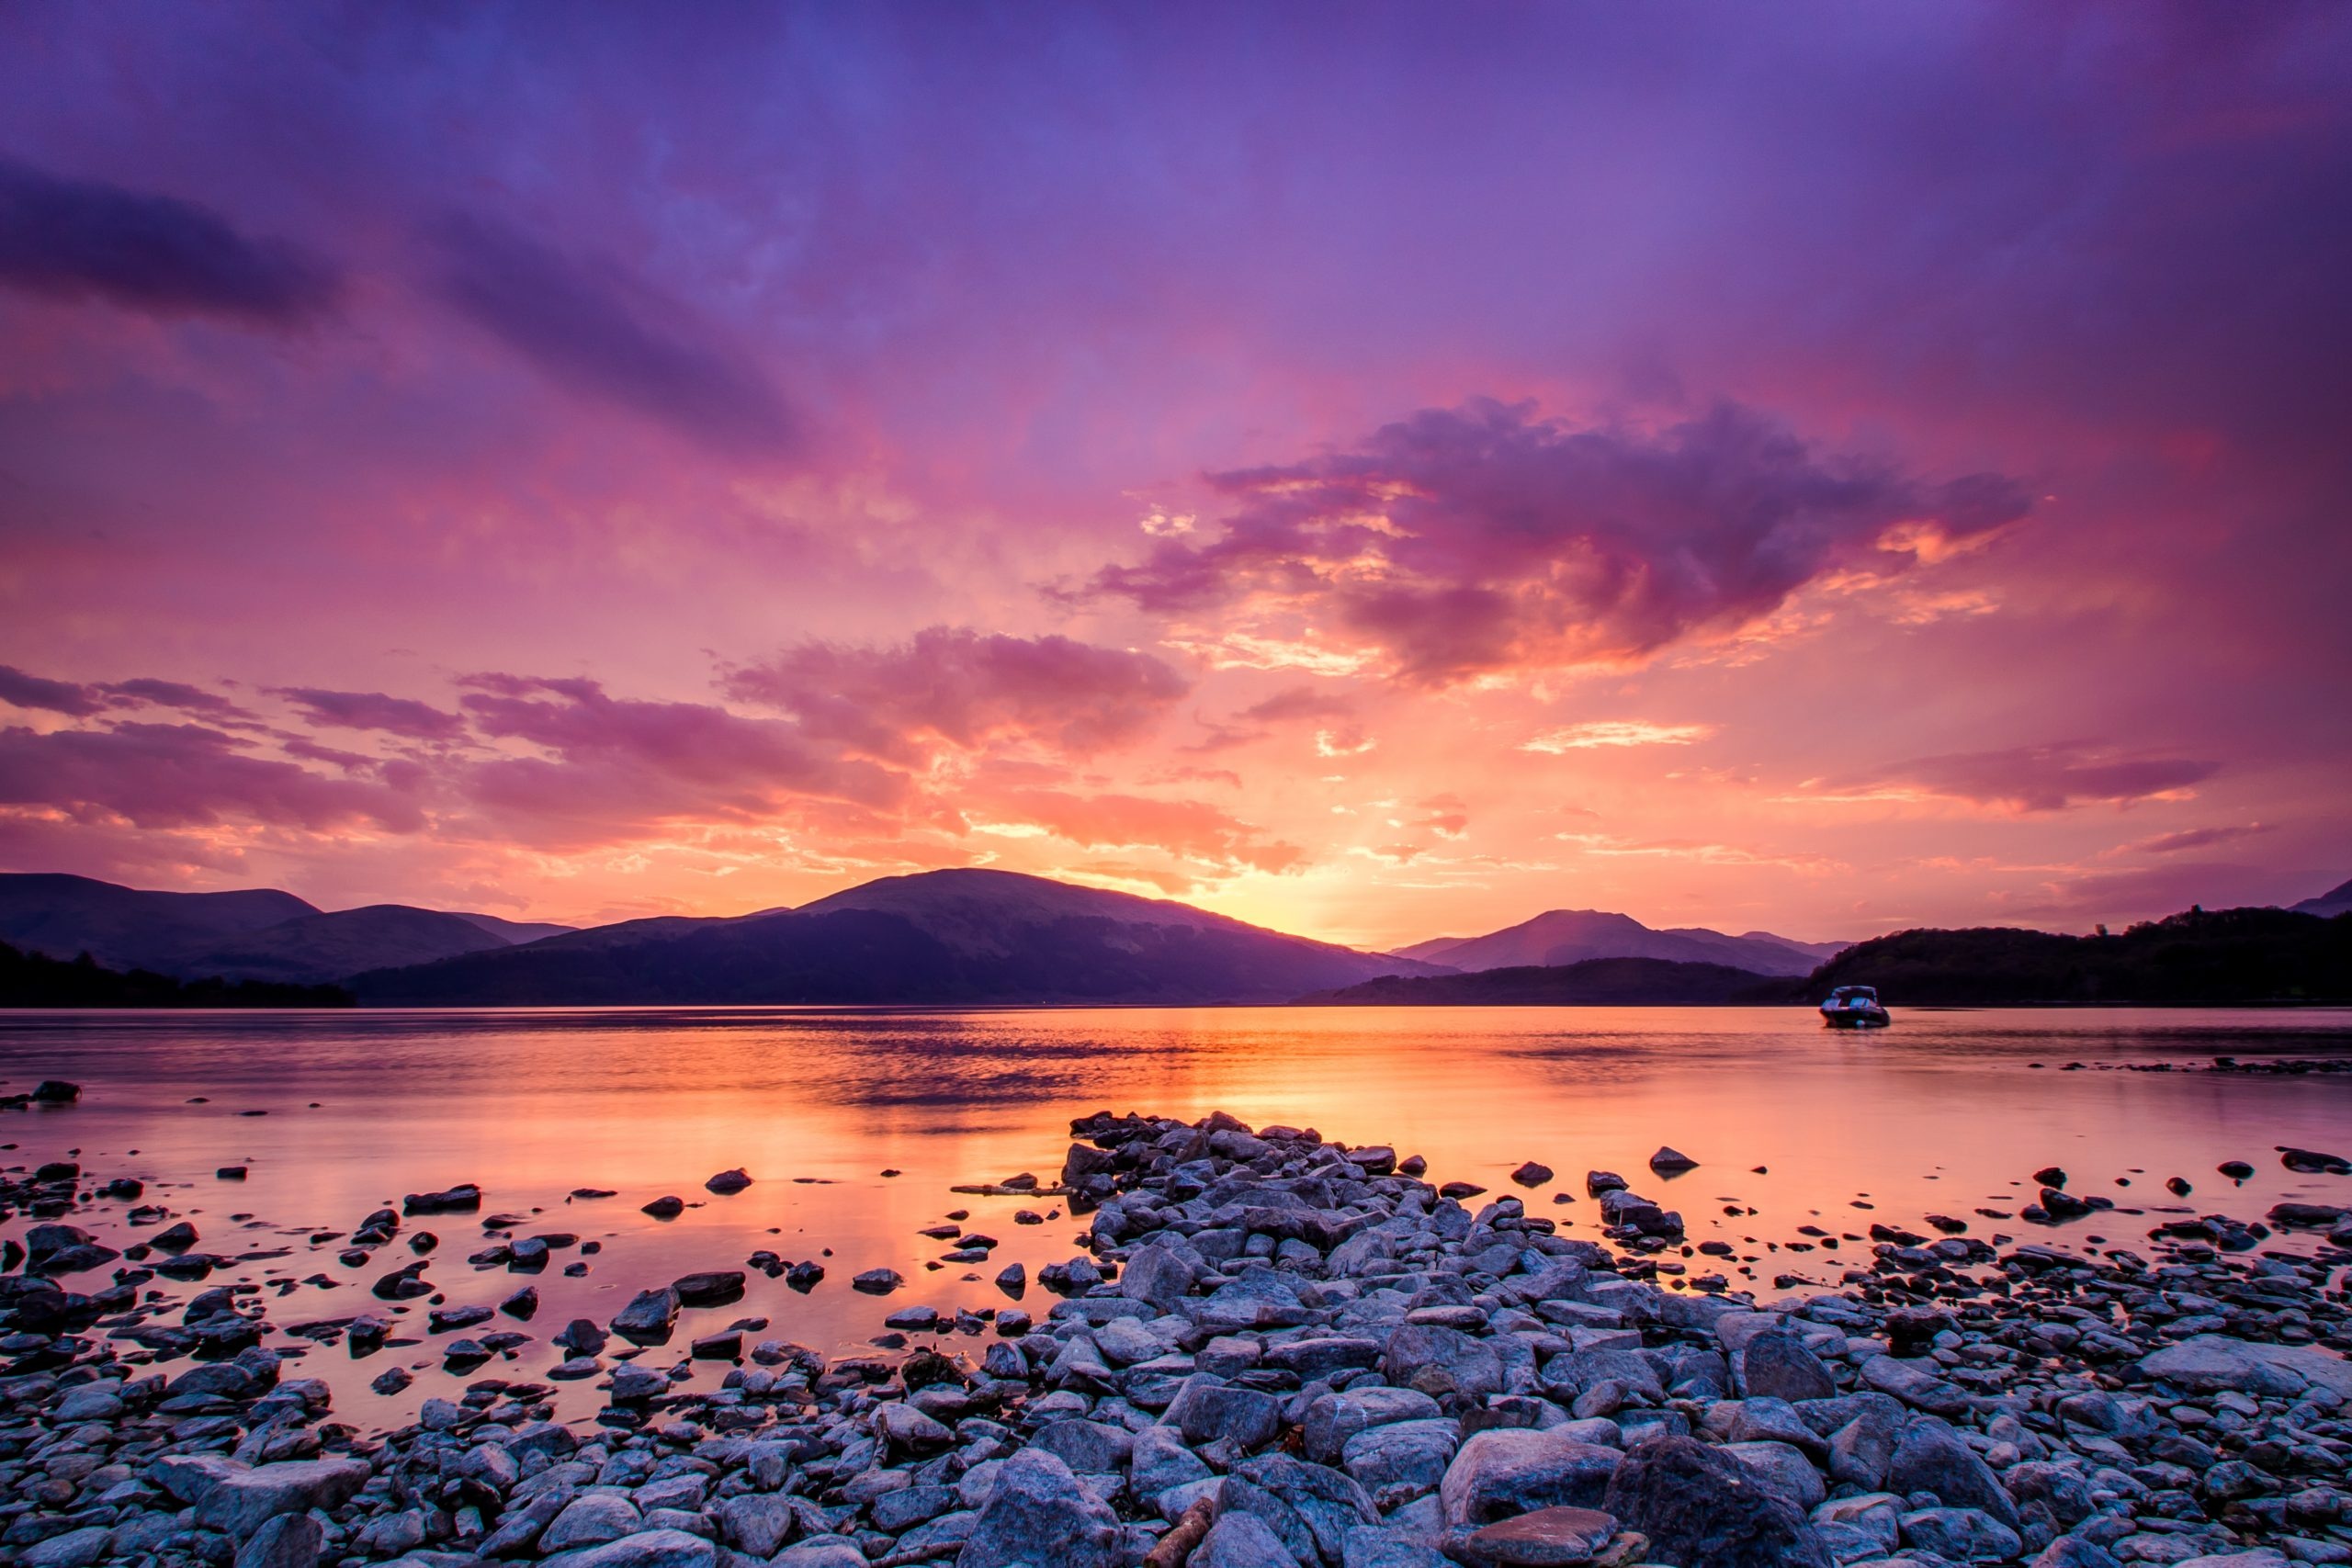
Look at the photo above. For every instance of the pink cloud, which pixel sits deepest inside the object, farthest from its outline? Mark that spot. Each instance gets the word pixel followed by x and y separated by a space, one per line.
pixel 374 710
pixel 182 775
pixel 1475 539
pixel 2032 778
pixel 965 688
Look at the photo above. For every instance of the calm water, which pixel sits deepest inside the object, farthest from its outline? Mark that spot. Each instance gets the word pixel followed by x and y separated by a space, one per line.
pixel 1946 1112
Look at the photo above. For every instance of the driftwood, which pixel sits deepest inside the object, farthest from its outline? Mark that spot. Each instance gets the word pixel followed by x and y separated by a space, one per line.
pixel 1173 1548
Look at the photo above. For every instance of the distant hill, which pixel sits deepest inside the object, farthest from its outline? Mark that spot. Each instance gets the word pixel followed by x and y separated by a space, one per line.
pixel 1571 936
pixel 2335 901
pixel 937 938
pixel 1594 981
pixel 330 946
pixel 34 980
pixel 2214 956
pixel 260 933
pixel 127 927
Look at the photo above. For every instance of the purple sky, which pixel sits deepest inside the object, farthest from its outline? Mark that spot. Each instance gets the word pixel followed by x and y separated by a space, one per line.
pixel 1378 470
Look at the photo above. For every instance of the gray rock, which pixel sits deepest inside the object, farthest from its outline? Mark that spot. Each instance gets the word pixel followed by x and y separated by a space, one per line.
pixel 1038 1514
pixel 1783 1471
pixel 2073 1552
pixel 1326 1503
pixel 1963 1535
pixel 1702 1510
pixel 1239 1540
pixel 1158 1274
pixel 1334 1419
pixel 647 1549
pixel 756 1523
pixel 235 1499
pixel 289 1540
pixel 74 1548
pixel 1778 1365
pixel 592 1520
pixel 648 1318
pixel 1087 1446
pixel 1932 1456
pixel 1206 1410
pixel 1448 1365
pixel 1548 1538
pixel 2210 1363
pixel 1400 1461
pixel 1512 1471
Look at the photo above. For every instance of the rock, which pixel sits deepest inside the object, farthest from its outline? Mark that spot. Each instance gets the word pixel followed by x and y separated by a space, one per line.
pixel 877 1281
pixel 462 1199
pixel 56 1091
pixel 715 1288
pixel 1962 1535
pixel 592 1519
pixel 1783 1470
pixel 1239 1540
pixel 1532 1174
pixel 291 1540
pixel 1206 1410
pixel 2073 1552
pixel 236 1500
pixel 1400 1461
pixel 2312 1162
pixel 1158 1274
pixel 1511 1471
pixel 1037 1513
pixel 1932 1456
pixel 1448 1365
pixel 2213 1363
pixel 755 1524
pixel 649 1548
pixel 1778 1366
pixel 72 1548
pixel 1335 1418
pixel 650 1318
pixel 665 1208
pixel 1548 1538
pixel 1702 1510
pixel 1669 1159
pixel 727 1182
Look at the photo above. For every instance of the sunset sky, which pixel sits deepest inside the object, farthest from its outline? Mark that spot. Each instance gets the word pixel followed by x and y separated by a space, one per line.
pixel 1377 471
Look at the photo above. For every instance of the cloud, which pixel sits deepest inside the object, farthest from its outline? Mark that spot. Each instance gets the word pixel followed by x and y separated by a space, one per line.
pixel 597 330
pixel 374 710
pixel 617 769
pixel 148 691
pixel 1187 829
pixel 85 240
pixel 2028 778
pixel 966 689
pixel 21 690
pixel 187 776
pixel 1599 733
pixel 2196 839
pixel 1460 541
pixel 1295 703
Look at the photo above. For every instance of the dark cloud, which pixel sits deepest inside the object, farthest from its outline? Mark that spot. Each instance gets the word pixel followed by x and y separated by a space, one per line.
pixel 967 688
pixel 85 240
pixel 594 328
pixel 21 690
pixel 374 710
pixel 1297 702
pixel 2197 839
pixel 147 691
pixel 1480 537
pixel 187 776
pixel 2033 778
pixel 618 769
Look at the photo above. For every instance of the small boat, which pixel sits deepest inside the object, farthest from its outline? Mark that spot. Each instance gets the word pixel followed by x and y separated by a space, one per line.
pixel 1855 1006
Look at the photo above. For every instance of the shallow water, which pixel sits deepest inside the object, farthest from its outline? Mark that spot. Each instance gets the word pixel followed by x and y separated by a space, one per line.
pixel 1945 1114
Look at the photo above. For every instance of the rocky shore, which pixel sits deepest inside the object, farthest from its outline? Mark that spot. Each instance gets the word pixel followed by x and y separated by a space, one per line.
pixel 1276 1352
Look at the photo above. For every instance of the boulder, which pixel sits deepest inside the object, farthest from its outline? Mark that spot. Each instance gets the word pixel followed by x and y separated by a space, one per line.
pixel 1037 1513
pixel 1702 1510
pixel 1932 1456
pixel 1548 1538
pixel 1515 1470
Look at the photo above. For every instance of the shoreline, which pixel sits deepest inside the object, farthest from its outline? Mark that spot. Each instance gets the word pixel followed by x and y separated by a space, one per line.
pixel 1269 1338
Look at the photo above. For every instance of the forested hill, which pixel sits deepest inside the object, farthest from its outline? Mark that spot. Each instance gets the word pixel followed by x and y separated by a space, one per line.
pixel 35 980
pixel 2215 957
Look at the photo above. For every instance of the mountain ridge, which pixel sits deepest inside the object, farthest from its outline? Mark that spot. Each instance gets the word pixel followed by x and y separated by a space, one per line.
pixel 1560 937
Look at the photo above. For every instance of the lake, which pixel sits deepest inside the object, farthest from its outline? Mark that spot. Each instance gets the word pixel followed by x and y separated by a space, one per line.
pixel 1947 1113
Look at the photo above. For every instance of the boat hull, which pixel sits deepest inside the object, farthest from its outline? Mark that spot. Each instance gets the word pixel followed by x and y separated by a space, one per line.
pixel 1857 1018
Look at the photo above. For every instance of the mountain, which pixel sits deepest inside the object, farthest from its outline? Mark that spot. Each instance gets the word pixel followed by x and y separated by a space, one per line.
pixel 322 947
pixel 1570 936
pixel 1595 982
pixel 260 933
pixel 2205 956
pixel 937 938
pixel 128 928
pixel 35 980
pixel 2335 901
